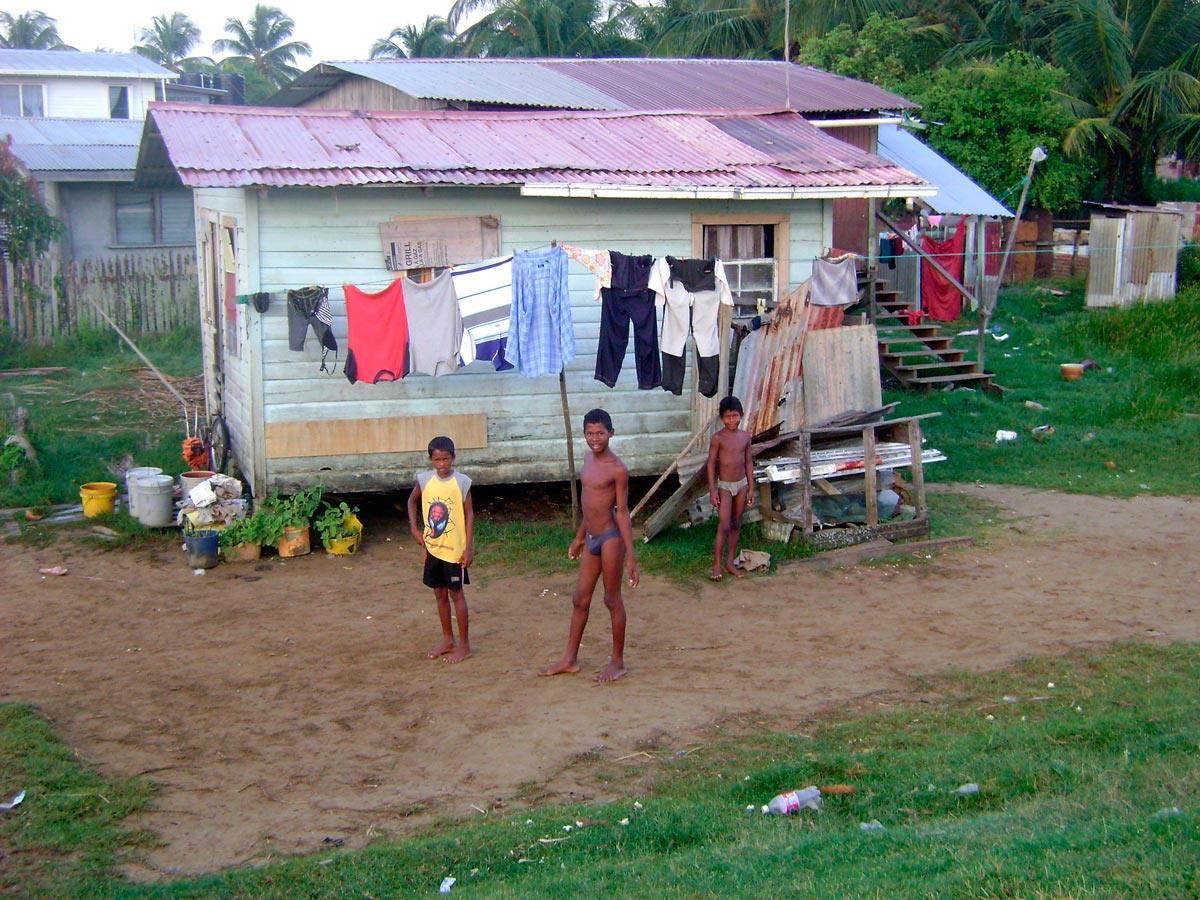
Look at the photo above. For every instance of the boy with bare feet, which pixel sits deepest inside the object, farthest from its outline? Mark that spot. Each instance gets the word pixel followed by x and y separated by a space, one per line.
pixel 730 484
pixel 604 544
pixel 448 535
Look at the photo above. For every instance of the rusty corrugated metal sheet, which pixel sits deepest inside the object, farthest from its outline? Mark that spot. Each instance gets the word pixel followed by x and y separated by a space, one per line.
pixel 247 146
pixel 779 355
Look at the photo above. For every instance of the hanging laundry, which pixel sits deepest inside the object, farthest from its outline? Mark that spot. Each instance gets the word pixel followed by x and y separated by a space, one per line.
pixel 628 301
pixel 377 329
pixel 484 292
pixel 939 298
pixel 435 328
pixel 598 262
pixel 691 292
pixel 541 336
pixel 834 283
pixel 309 307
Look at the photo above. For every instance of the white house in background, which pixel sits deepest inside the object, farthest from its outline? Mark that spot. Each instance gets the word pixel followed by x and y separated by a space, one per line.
pixel 63 84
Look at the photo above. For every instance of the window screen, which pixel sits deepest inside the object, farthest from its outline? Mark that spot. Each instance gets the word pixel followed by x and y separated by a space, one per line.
pixel 135 216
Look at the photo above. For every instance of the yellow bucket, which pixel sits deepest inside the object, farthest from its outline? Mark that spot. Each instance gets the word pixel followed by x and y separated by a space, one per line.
pixel 97 498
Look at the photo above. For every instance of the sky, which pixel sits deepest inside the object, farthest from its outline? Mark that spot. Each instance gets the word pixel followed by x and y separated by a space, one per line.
pixel 336 29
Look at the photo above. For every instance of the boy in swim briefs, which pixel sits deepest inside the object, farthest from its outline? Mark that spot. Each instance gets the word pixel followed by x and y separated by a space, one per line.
pixel 604 545
pixel 730 485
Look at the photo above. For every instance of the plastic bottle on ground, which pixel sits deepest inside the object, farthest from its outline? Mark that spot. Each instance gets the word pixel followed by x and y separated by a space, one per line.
pixel 794 801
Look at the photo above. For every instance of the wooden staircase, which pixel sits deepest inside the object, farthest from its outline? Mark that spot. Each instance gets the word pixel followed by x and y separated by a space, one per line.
pixel 920 355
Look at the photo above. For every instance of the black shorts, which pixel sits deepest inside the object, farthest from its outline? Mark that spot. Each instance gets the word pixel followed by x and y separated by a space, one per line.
pixel 442 574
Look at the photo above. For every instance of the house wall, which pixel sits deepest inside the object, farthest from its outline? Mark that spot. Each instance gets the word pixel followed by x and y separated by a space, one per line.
pixel 356 92
pixel 87 98
pixel 301 237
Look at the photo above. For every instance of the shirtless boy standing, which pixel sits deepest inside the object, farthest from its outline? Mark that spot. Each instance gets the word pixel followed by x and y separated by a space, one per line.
pixel 730 484
pixel 605 542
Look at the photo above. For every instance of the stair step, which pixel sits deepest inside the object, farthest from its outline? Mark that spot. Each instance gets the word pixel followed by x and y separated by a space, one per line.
pixel 944 364
pixel 944 355
pixel 901 332
pixel 962 377
pixel 932 344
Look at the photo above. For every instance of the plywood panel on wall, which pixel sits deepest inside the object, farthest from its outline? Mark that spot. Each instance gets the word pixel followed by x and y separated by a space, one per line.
pixel 841 372
pixel 344 437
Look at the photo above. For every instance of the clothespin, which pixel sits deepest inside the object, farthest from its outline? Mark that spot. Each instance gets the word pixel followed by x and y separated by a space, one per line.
pixel 553 242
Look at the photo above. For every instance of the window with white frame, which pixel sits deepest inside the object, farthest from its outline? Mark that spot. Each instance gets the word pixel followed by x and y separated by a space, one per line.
pixel 152 217
pixel 748 252
pixel 26 100
pixel 118 101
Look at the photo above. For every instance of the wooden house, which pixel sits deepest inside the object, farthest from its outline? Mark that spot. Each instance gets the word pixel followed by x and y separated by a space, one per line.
pixel 289 198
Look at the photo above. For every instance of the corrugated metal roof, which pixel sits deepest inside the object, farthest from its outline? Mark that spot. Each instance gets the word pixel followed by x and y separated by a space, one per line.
pixel 86 65
pixel 247 146
pixel 74 145
pixel 633 83
pixel 732 83
pixel 503 81
pixel 956 193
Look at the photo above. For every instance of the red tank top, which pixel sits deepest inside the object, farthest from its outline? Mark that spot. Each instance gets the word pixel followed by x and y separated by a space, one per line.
pixel 377 332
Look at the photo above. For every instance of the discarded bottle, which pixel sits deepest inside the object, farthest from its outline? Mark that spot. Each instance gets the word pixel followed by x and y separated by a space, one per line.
pixel 794 801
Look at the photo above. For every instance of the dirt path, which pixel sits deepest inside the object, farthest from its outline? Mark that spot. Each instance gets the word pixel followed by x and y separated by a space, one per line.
pixel 281 705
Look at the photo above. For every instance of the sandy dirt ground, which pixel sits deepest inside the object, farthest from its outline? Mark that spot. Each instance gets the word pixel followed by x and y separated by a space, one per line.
pixel 283 703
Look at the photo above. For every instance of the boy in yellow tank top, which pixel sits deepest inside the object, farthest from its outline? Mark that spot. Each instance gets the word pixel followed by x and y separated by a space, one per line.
pixel 446 529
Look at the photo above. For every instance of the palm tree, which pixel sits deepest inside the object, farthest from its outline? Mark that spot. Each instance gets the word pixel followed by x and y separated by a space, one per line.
pixel 264 41
pixel 542 28
pixel 169 42
pixel 33 30
pixel 1133 69
pixel 433 39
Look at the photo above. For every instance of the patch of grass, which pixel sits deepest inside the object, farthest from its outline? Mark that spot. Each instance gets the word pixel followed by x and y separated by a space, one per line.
pixel 69 833
pixel 1086 768
pixel 1126 427
pixel 91 417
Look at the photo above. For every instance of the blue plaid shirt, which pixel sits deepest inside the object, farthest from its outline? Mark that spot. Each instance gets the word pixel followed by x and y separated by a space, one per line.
pixel 541 334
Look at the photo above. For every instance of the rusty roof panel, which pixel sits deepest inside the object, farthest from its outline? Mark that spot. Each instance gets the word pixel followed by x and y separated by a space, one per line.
pixel 270 146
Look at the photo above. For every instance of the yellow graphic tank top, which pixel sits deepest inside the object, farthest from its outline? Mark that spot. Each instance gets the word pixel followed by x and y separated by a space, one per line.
pixel 443 516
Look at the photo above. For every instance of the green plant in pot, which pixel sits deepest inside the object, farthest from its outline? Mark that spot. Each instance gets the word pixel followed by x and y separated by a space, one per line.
pixel 339 528
pixel 263 528
pixel 296 512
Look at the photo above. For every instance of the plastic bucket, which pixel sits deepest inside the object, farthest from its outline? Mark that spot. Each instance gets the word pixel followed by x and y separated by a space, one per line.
pixel 97 498
pixel 156 500
pixel 201 549
pixel 131 477
pixel 188 480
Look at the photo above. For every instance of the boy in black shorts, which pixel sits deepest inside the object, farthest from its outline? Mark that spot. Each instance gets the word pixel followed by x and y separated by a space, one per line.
pixel 447 533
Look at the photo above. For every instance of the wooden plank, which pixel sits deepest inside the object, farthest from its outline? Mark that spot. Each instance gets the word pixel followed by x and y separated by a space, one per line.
pixel 342 437
pixel 841 372
pixel 874 549
pixel 829 538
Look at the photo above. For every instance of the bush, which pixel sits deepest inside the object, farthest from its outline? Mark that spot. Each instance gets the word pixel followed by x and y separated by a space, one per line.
pixel 1188 267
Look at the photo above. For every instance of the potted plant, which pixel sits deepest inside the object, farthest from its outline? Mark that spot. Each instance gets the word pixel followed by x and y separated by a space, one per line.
pixel 339 528
pixel 297 512
pixel 243 539
pixel 201 543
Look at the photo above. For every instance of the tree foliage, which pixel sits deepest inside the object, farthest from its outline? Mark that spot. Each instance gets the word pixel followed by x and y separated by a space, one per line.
pixel 26 227
pixel 883 51
pixel 33 30
pixel 264 41
pixel 435 38
pixel 169 41
pixel 988 118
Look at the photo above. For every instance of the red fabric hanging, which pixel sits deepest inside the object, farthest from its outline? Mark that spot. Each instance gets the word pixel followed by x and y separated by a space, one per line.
pixel 939 298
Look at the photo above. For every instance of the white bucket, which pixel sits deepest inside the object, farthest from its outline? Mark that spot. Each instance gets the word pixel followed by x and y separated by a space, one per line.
pixel 131 477
pixel 156 500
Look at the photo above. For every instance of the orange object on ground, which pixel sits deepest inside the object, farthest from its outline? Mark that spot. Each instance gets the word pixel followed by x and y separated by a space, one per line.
pixel 195 454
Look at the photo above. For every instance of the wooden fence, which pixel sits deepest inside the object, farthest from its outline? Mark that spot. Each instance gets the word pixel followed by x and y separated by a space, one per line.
pixel 143 294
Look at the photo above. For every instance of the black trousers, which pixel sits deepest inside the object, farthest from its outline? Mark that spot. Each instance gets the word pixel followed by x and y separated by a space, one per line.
pixel 619 308
pixel 708 370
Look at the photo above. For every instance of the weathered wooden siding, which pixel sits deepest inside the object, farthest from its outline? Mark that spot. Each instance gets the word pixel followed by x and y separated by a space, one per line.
pixel 331 237
pixel 364 93
pixel 144 292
